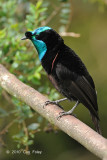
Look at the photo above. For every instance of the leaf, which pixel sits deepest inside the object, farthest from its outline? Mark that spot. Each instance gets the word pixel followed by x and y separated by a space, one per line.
pixel 31 135
pixel 32 8
pixel 18 136
pixel 30 142
pixel 38 5
pixel 42 18
pixel 15 65
pixel 65 11
pixel 42 10
pixel 39 68
pixel 2 33
pixel 14 26
pixel 40 119
pixel 25 139
pixel 33 126
pixel 30 77
pixel 35 81
pixel 37 75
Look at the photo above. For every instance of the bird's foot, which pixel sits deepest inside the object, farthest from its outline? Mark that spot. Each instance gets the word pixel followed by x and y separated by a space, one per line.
pixel 70 112
pixel 53 102
pixel 61 114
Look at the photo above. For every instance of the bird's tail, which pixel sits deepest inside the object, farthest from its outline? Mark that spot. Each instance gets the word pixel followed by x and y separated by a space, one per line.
pixel 96 123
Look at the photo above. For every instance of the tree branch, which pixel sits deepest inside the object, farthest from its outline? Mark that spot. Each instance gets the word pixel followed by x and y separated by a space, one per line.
pixel 71 34
pixel 76 129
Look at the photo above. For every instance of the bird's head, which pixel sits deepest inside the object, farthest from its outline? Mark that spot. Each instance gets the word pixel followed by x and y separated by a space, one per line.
pixel 44 39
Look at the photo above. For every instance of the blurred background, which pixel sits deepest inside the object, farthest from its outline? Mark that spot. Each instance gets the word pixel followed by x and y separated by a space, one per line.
pixel 23 132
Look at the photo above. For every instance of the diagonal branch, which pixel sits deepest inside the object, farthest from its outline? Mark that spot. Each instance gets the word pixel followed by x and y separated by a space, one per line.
pixel 69 124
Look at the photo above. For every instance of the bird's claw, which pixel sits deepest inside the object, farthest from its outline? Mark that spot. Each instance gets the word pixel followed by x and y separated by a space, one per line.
pixel 46 103
pixel 61 114
pixel 52 102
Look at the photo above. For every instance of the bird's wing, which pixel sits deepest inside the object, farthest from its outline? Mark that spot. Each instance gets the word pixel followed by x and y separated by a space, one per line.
pixel 79 87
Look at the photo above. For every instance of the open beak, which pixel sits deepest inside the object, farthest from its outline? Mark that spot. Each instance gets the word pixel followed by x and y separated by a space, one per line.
pixel 24 38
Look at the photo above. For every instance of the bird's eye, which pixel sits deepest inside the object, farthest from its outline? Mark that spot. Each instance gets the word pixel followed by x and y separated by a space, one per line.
pixel 28 34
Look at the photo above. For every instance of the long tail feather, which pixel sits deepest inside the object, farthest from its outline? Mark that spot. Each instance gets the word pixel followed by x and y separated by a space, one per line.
pixel 96 123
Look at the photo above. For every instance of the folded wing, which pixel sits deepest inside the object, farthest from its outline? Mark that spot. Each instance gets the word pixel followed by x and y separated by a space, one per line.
pixel 79 87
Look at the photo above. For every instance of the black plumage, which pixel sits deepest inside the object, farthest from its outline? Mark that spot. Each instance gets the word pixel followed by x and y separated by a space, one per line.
pixel 68 73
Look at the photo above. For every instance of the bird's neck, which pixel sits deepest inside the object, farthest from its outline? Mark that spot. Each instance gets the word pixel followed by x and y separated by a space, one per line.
pixel 41 48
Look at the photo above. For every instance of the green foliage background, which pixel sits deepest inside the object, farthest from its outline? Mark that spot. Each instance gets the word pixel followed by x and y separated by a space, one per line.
pixel 19 57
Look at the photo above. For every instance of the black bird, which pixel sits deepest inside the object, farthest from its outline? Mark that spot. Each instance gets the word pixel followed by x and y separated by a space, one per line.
pixel 65 70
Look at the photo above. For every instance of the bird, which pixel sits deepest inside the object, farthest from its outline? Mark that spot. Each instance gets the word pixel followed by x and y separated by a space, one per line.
pixel 66 71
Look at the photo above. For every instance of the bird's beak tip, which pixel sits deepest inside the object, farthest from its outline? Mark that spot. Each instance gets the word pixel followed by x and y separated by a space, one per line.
pixel 24 38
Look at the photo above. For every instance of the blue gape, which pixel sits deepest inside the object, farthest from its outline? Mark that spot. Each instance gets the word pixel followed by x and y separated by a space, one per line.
pixel 39 44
